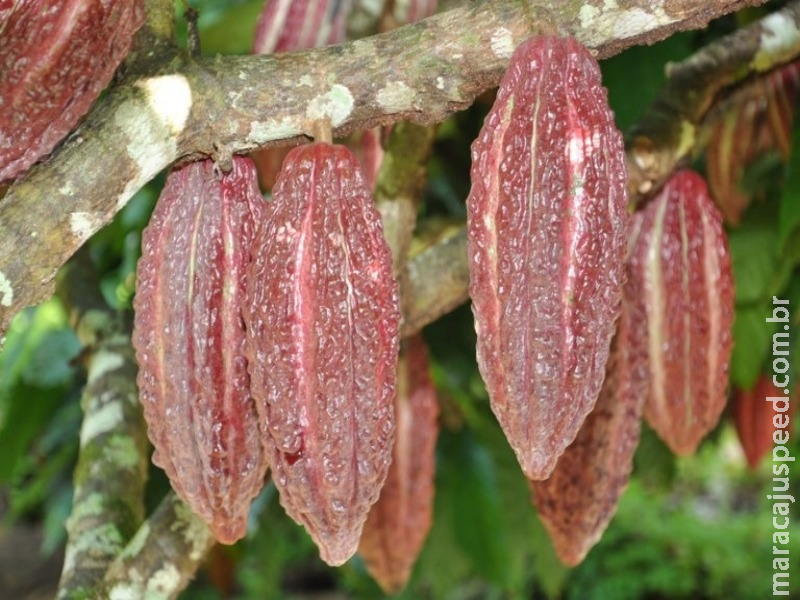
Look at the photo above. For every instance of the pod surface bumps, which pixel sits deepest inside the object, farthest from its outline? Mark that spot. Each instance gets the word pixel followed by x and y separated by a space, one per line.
pixel 680 261
pixel 399 521
pixel 547 226
pixel 323 317
pixel 55 59
pixel 189 339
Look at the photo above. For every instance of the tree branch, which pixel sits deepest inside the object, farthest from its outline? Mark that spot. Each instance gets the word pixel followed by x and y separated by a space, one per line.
pixel 420 73
pixel 112 468
pixel 162 557
pixel 108 504
pixel 668 132
pixel 438 281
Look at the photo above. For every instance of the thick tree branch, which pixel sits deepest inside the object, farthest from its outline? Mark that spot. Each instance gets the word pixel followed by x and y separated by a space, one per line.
pixel 112 468
pixel 438 281
pixel 668 132
pixel 108 504
pixel 220 106
pixel 162 557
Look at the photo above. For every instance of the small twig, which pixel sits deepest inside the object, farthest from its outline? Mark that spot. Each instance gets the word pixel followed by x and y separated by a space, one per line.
pixel 321 131
pixel 192 31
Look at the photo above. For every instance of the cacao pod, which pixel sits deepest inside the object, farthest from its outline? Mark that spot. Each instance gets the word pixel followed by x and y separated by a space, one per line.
pixel 55 59
pixel 753 418
pixel 323 334
pixel 756 118
pixel 189 338
pixel 546 224
pixel 680 260
pixel 399 521
pixel 287 25
pixel 579 499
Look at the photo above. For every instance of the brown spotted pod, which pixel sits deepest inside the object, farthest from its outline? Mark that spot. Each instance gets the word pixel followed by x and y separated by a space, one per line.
pixel 399 522
pixel 578 500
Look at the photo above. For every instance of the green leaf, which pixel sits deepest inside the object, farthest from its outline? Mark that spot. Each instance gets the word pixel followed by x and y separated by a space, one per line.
pixel 29 410
pixel 634 77
pixel 752 339
pixel 654 463
pixel 28 332
pixel 469 486
pixel 789 214
pixel 230 31
pixel 754 259
pixel 48 364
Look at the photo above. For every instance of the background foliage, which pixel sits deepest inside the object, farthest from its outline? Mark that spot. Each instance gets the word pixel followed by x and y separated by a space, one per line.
pixel 697 527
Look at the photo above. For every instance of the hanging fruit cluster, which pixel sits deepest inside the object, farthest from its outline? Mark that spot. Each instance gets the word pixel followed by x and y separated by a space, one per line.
pixel 268 331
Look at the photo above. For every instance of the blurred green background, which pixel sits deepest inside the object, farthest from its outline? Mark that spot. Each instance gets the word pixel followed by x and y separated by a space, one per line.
pixel 697 527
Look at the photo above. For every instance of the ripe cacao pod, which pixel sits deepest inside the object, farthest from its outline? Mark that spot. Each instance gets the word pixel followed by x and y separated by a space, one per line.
pixel 323 335
pixel 680 261
pixel 55 59
pixel 189 338
pixel 579 499
pixel 399 521
pixel 546 223
pixel 753 418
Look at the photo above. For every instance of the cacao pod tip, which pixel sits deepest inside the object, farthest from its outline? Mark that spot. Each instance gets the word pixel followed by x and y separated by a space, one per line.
pixel 336 552
pixel 537 465
pixel 229 529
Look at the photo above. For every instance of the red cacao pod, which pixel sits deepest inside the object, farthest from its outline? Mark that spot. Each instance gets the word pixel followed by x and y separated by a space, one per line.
pixel 287 25
pixel 189 338
pixel 755 418
pixel 323 318
pixel 579 499
pixel 547 225
pixel 55 59
pixel 680 261
pixel 399 521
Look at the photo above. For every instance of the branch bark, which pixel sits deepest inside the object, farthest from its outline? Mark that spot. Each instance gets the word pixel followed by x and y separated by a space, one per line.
pixel 108 504
pixel 112 468
pixel 668 132
pixel 224 105
pixel 162 557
